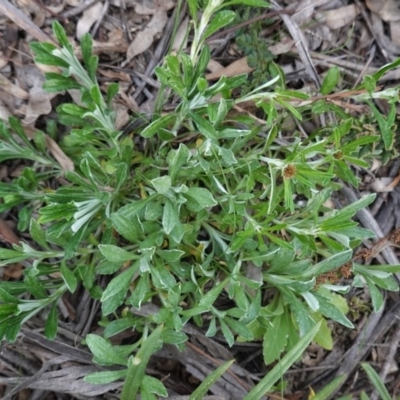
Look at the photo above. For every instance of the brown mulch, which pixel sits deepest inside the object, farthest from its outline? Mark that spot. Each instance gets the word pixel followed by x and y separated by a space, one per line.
pixel 131 38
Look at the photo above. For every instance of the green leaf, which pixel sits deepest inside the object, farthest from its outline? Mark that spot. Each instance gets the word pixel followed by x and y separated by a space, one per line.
pixel 381 71
pixel 329 264
pixel 227 333
pixel 301 313
pixel 60 84
pixel 330 388
pixel 162 184
pixel 60 34
pixel 252 3
pixel 140 291
pixel 6 297
pixel 86 47
pixel 153 385
pixel 38 234
pixel 282 366
pixel 103 351
pixel 204 126
pixel 132 209
pixel 104 377
pixel 112 91
pixel 35 287
pixel 170 217
pixel 68 277
pixel 56 211
pixel 199 198
pixel 202 62
pixel 376 381
pixel 137 365
pixel 205 386
pixel 330 81
pixel 220 20
pixel 48 59
pixel 114 295
pixel 155 126
pixel 324 335
pixel 209 298
pixel 329 310
pixel 177 159
pixel 239 328
pixel 72 109
pixel 116 254
pixel 275 338
pixel 50 329
pixel 173 337
pixel 193 10
pixel 376 295
pixel 118 326
pixel 96 96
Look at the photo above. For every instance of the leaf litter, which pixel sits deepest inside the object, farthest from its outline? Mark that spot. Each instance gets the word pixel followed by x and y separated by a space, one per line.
pixel 357 37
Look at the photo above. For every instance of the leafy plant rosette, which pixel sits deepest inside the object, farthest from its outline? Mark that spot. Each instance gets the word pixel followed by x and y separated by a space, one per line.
pixel 199 207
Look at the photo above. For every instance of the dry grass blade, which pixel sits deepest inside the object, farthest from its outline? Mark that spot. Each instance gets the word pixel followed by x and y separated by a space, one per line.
pixel 19 18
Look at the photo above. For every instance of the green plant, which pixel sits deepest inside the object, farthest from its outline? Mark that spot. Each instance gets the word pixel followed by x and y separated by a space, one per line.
pixel 205 206
pixel 250 43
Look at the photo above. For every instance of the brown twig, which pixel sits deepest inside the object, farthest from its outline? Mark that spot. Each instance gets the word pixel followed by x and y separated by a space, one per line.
pixel 21 20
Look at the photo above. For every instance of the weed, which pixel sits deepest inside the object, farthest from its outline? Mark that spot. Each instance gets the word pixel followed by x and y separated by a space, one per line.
pixel 205 206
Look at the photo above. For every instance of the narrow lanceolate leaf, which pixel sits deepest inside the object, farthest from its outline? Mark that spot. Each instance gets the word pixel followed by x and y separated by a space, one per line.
pixel 116 254
pixel 115 293
pixel 220 20
pixel 155 126
pixel 282 366
pixel 170 216
pixel 137 365
pixel 376 381
pixel 103 351
pixel 69 278
pixel 50 329
pixel 330 81
pixel 202 390
pixel 104 377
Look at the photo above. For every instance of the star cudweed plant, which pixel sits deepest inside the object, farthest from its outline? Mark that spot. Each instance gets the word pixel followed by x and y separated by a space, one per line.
pixel 202 206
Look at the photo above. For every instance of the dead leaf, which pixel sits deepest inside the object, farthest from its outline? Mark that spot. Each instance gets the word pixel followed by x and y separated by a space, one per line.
pixel 12 89
pixel 118 75
pixel 342 16
pixel 7 234
pixel 214 66
pixel 305 12
pixel 39 104
pixel 89 17
pixel 150 7
pixel 282 47
pixel 129 101
pixel 55 150
pixel 383 185
pixel 13 271
pixel 116 43
pixel 121 116
pixel 21 20
pixel 395 32
pixel 145 38
pixel 375 5
pixel 4 112
pixel 180 40
pixel 56 9
pixel 390 11
pixel 236 68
